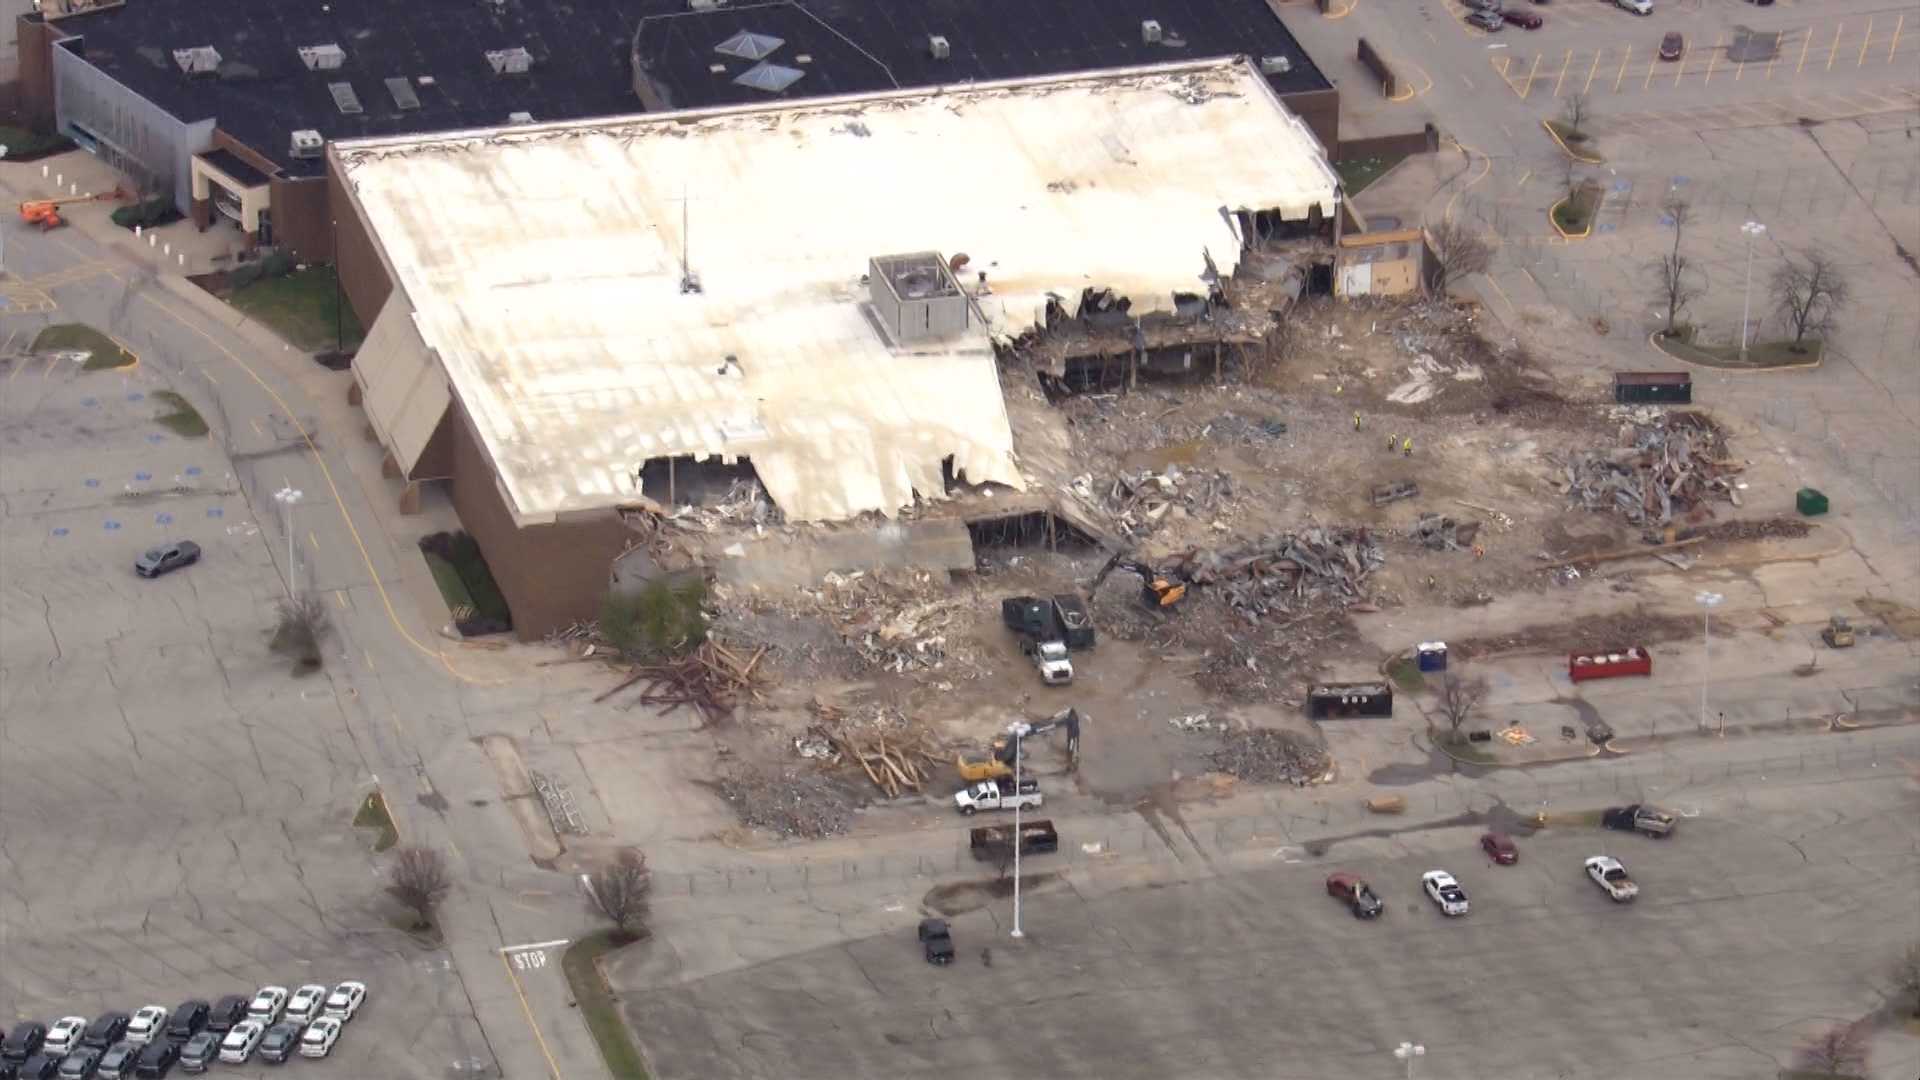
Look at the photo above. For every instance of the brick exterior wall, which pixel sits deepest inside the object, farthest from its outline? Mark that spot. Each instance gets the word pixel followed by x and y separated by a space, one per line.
pixel 363 276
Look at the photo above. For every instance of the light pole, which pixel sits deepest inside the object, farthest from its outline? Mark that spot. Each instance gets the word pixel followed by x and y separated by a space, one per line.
pixel 1752 231
pixel 1707 602
pixel 286 497
pixel 1018 731
pixel 1409 1053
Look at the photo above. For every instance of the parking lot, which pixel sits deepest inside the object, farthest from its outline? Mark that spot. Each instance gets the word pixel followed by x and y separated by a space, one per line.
pixel 1771 899
pixel 175 805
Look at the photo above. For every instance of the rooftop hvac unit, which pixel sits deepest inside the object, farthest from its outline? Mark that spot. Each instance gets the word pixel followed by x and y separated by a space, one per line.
pixel 514 61
pixel 1275 65
pixel 520 118
pixel 938 47
pixel 199 60
pixel 307 143
pixel 705 5
pixel 322 57
pixel 497 6
pixel 1150 31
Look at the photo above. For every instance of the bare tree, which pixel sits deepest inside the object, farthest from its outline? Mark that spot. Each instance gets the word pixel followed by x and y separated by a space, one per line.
pixel 1906 975
pixel 1575 111
pixel 301 626
pixel 1811 289
pixel 418 879
pixel 1840 1050
pixel 1458 252
pixel 1679 285
pixel 1460 698
pixel 623 891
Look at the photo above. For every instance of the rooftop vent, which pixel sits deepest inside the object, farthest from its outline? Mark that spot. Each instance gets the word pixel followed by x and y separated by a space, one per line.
pixel 498 7
pixel 322 57
pixel 1150 31
pixel 716 69
pixel 772 78
pixel 1275 65
pixel 748 45
pixel 403 95
pixel 938 47
pixel 705 5
pixel 345 99
pixel 199 60
pixel 306 143
pixel 514 61
pixel 519 118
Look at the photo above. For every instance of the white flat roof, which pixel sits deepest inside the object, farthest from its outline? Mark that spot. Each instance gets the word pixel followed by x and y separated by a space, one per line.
pixel 542 264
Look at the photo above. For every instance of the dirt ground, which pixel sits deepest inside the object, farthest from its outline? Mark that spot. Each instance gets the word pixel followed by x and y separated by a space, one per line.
pixel 1177 466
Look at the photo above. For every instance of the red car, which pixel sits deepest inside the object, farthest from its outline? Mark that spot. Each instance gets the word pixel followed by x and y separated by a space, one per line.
pixel 1499 847
pixel 1526 20
pixel 1353 891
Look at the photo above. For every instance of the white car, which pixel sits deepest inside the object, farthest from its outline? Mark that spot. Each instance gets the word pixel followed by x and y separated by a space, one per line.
pixel 149 1023
pixel 317 1041
pixel 1608 873
pixel 1638 7
pixel 241 1041
pixel 1445 892
pixel 305 1003
pixel 64 1036
pixel 267 1004
pixel 345 1000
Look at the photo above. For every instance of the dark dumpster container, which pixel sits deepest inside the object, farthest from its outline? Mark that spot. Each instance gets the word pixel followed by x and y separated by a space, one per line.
pixel 1433 656
pixel 1652 387
pixel 1336 700
pixel 1811 503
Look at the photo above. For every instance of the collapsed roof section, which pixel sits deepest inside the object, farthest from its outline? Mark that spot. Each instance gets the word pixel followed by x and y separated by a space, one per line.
pixel 703 295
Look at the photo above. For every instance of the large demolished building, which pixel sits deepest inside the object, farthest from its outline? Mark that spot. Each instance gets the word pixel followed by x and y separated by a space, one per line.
pixel 606 318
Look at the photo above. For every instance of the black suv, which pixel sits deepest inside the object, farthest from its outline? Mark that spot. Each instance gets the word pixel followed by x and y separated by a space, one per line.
pixel 280 1041
pixel 117 1062
pixel 156 1060
pixel 22 1041
pixel 106 1029
pixel 188 1019
pixel 227 1012
pixel 80 1064
pixel 39 1067
pixel 200 1052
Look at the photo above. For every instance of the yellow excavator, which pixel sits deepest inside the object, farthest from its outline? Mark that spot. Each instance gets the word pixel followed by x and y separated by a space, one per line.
pixel 999 761
pixel 1158 589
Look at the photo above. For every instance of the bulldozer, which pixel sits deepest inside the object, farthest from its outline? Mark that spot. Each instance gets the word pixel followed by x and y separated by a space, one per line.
pixel 46 212
pixel 998 763
pixel 1838 633
pixel 1158 590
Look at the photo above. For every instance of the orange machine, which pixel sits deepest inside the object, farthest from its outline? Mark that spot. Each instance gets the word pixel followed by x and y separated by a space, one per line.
pixel 46 212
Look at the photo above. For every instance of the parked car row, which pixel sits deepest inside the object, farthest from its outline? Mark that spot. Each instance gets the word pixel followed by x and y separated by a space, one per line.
pixel 1450 896
pixel 149 1042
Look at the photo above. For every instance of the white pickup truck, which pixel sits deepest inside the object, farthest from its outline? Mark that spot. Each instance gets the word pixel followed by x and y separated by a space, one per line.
pixel 1606 872
pixel 997 795
pixel 1051 658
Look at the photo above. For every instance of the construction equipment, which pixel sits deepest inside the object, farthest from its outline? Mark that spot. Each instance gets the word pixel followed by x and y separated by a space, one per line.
pixel 46 212
pixel 1838 633
pixel 1157 589
pixel 999 763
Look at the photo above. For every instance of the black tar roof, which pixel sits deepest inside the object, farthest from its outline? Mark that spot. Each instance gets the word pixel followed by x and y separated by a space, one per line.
pixel 856 46
pixel 584 52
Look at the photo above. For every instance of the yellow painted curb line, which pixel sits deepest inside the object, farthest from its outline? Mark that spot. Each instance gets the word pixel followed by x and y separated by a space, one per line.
pixel 1564 234
pixel 1653 339
pixel 1584 159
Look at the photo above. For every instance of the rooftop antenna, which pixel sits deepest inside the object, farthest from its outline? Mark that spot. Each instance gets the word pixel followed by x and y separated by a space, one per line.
pixel 689 281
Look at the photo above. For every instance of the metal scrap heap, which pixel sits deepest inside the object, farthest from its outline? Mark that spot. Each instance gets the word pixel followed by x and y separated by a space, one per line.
pixel 1673 463
pixel 1279 573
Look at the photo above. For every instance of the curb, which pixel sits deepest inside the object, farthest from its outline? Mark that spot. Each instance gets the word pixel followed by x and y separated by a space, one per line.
pixel 1583 159
pixel 255 334
pixel 1653 339
pixel 1442 747
pixel 1564 234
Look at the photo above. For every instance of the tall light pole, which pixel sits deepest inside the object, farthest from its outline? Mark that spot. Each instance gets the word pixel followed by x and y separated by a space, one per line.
pixel 1018 731
pixel 1707 602
pixel 1752 230
pixel 287 497
pixel 1409 1053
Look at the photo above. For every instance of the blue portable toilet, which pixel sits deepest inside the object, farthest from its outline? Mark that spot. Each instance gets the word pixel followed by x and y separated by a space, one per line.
pixel 1433 656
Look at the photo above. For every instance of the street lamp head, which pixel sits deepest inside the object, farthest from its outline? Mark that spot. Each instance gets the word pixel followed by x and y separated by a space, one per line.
pixel 288 495
pixel 1020 729
pixel 1409 1050
pixel 1709 599
pixel 1753 228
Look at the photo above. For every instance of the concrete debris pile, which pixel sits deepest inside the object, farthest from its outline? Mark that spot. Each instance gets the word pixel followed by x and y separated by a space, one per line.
pixel 1768 529
pixel 1196 722
pixel 891 620
pixel 1277 573
pixel 745 503
pixel 1671 466
pixel 1442 533
pixel 1266 756
pixel 1233 427
pixel 1140 501
pixel 795 803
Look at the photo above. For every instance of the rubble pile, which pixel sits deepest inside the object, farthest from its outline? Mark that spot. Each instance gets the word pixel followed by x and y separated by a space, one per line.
pixel 1768 529
pixel 793 802
pixel 1266 756
pixel 1673 464
pixel 894 753
pixel 1139 501
pixel 1442 533
pixel 711 680
pixel 894 620
pixel 745 503
pixel 1277 574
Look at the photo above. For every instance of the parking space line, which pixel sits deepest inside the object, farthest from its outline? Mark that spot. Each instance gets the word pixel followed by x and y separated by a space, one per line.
pixel 1864 42
pixel 1835 51
pixel 1591 72
pixel 1772 60
pixel 340 598
pixel 1624 57
pixel 1531 72
pixel 1564 65
pixel 314 540
pixel 1713 58
pixel 1648 84
pixel 1895 43
pixel 1805 44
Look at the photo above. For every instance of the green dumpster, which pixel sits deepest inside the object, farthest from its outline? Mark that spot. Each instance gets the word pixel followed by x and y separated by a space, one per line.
pixel 1811 502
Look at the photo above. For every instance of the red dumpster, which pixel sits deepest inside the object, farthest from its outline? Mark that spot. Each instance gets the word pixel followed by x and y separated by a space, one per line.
pixel 1609 664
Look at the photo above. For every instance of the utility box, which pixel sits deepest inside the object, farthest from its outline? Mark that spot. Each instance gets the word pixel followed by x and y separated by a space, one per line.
pixel 1811 503
pixel 1652 387
pixel 916 298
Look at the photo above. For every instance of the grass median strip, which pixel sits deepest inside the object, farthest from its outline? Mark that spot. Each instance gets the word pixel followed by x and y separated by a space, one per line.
pixel 598 1006
pixel 103 353
pixel 373 815
pixel 181 417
